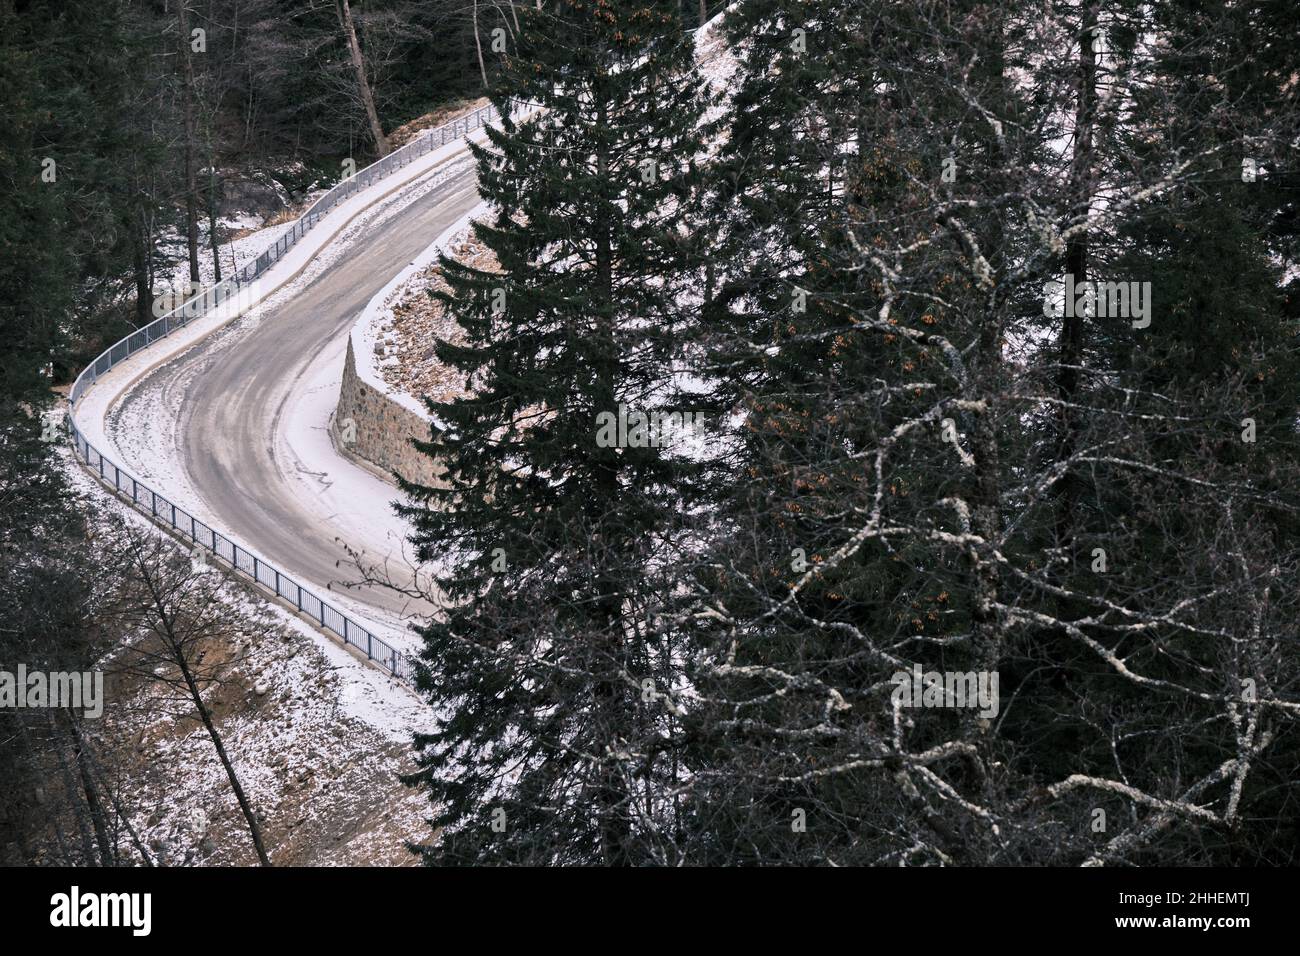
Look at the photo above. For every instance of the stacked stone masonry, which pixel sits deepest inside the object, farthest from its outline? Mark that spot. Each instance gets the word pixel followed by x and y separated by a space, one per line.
pixel 372 427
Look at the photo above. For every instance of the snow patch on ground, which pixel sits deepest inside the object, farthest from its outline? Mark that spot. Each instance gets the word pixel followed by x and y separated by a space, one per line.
pixel 357 501
pixel 406 358
pixel 317 738
pixel 715 59
pixel 370 695
pixel 252 239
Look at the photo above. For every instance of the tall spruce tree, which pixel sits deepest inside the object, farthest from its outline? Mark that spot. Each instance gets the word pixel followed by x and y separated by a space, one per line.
pixel 551 665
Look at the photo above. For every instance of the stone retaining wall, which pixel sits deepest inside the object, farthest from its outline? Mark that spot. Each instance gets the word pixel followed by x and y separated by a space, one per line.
pixel 372 428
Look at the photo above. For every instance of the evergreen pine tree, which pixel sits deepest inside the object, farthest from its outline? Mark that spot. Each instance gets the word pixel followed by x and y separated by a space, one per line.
pixel 558 551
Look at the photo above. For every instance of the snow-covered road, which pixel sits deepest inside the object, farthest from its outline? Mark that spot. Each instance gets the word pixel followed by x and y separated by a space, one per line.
pixel 235 426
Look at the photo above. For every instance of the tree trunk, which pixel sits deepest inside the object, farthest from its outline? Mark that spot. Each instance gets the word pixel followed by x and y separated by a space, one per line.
pixel 986 378
pixel 611 792
pixel 191 180
pixel 1070 347
pixel 106 852
pixel 140 252
pixel 212 214
pixel 122 815
pixel 478 47
pixel 253 827
pixel 344 10
pixel 70 793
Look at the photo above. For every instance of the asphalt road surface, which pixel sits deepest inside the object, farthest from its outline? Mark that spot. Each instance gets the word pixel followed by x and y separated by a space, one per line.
pixel 234 394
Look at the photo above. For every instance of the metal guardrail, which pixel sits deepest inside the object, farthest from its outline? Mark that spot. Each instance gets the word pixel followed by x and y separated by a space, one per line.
pixel 160 509
pixel 165 512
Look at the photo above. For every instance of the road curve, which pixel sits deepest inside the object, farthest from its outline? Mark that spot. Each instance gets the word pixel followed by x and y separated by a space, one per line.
pixel 231 390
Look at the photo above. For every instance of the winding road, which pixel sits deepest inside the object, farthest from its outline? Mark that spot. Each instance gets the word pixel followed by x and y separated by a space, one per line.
pixel 237 435
pixel 234 427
